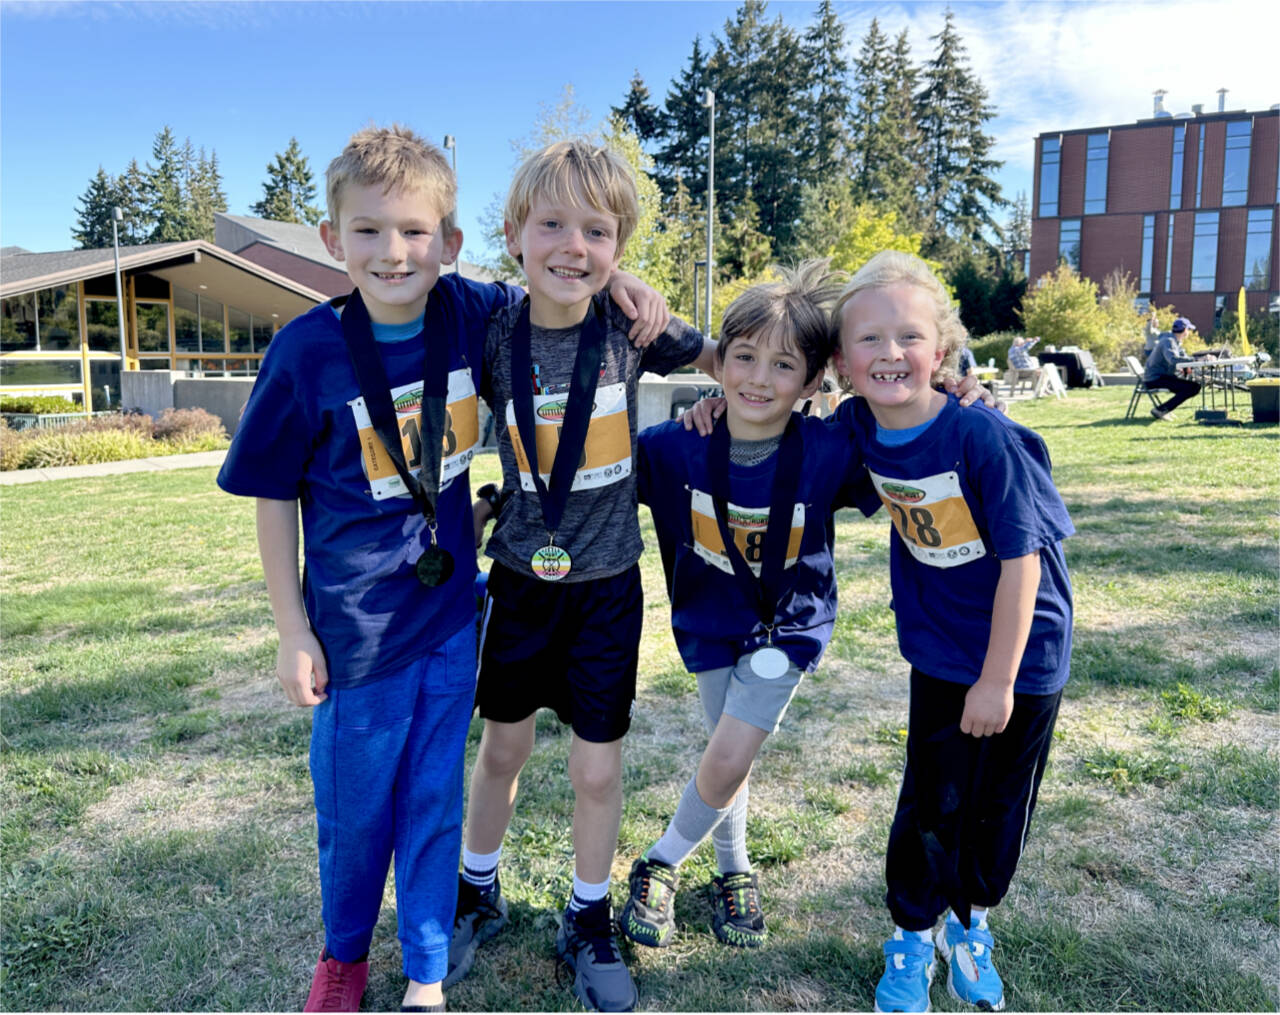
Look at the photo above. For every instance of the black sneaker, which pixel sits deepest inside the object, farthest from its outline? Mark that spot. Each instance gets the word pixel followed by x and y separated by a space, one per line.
pixel 738 921
pixel 478 917
pixel 587 945
pixel 646 918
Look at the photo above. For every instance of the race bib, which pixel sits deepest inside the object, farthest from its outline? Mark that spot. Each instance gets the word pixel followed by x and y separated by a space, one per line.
pixel 605 459
pixel 461 435
pixel 748 526
pixel 932 518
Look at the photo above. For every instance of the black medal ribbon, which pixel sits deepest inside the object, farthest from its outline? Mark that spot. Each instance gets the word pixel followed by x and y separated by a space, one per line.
pixel 766 592
pixel 581 401
pixel 435 566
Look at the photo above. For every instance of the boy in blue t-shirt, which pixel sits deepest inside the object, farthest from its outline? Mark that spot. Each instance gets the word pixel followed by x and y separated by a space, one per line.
pixel 379 639
pixel 983 608
pixel 751 620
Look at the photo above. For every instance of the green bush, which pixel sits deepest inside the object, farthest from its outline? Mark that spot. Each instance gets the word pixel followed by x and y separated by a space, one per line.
pixel 13 447
pixel 62 446
pixel 994 346
pixel 113 438
pixel 42 404
pixel 1062 308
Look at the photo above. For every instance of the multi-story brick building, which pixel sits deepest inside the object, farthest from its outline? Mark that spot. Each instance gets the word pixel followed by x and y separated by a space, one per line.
pixel 1186 204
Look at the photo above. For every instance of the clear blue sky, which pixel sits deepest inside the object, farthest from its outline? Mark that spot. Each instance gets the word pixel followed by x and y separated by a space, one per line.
pixel 89 84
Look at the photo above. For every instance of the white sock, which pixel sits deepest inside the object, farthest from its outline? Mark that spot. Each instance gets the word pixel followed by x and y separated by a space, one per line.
pixel 586 892
pixel 480 869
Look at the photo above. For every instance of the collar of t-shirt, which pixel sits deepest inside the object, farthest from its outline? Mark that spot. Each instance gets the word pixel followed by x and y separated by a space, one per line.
pixel 391 332
pixel 896 438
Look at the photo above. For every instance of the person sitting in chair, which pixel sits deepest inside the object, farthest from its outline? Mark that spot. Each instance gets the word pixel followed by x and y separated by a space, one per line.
pixel 1162 370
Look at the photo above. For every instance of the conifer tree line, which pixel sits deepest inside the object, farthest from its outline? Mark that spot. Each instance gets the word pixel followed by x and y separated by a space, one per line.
pixel 811 148
pixel 174 195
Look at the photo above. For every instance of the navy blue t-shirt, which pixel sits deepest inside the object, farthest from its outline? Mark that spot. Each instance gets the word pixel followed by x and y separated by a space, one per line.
pixel 973 489
pixel 306 435
pixel 713 621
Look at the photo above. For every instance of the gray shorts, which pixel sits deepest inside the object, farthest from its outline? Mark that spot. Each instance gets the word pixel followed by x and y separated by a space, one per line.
pixel 737 691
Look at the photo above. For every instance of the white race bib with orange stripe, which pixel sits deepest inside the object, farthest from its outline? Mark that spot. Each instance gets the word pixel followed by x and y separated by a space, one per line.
pixel 461 435
pixel 748 526
pixel 932 518
pixel 605 459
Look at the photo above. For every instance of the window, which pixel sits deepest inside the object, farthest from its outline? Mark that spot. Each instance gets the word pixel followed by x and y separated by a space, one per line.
pixel 32 373
pixel 186 320
pixel 1095 175
pixel 1050 159
pixel 1175 179
pixel 1069 242
pixel 262 333
pixel 1148 253
pixel 1204 252
pixel 1235 166
pixel 1199 164
pixel 153 327
pixel 59 320
pixel 239 331
pixel 212 335
pixel 1168 258
pixel 18 323
pixel 1257 249
pixel 102 319
pixel 1219 305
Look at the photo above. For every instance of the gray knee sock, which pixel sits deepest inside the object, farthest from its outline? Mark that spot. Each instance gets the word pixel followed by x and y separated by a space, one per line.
pixel 693 821
pixel 730 836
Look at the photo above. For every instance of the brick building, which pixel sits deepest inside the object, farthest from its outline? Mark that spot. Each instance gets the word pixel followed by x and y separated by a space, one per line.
pixel 1186 204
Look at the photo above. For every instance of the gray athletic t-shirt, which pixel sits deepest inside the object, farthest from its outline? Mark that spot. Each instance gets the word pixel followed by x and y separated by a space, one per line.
pixel 600 528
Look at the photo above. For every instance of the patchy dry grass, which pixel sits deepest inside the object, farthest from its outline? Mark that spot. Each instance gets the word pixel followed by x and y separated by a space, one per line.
pixel 158 839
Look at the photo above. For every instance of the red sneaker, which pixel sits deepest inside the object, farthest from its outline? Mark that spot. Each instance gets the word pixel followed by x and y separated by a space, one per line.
pixel 337 986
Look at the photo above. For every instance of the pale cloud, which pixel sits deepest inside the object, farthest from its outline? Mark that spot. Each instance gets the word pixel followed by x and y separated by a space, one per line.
pixel 1062 66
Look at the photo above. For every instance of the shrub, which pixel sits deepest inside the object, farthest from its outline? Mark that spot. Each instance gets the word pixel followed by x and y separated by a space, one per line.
pixel 1062 308
pixel 67 446
pixel 182 426
pixel 130 422
pixel 994 346
pixel 13 446
pixel 41 404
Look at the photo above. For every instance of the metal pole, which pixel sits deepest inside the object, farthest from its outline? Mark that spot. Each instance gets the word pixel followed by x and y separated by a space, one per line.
pixel 451 145
pixel 118 216
pixel 709 100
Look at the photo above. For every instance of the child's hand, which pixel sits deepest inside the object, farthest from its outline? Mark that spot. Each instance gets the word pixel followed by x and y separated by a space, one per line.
pixel 301 670
pixel 987 708
pixel 702 416
pixel 969 391
pixel 643 304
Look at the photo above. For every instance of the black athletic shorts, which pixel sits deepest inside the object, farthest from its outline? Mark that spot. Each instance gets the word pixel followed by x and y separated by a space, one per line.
pixel 569 647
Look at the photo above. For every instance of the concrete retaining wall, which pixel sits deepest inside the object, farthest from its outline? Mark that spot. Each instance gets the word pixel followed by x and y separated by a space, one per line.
pixel 153 391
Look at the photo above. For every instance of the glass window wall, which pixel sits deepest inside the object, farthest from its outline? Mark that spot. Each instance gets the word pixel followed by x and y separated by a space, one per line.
pixel 186 320
pixel 59 319
pixel 1168 258
pixel 1204 252
pixel 1148 253
pixel 1175 178
pixel 212 331
pixel 239 331
pixel 18 324
pixel 1069 242
pixel 33 373
pixel 1199 164
pixel 1095 174
pixel 1257 249
pixel 262 333
pixel 102 320
pixel 1235 166
pixel 153 327
pixel 1050 161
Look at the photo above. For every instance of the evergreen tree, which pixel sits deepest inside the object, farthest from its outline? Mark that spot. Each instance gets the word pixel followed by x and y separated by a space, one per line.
pixel 204 196
pixel 289 191
pixel 93 216
pixel 742 251
pixel 1017 234
pixel 901 177
pixel 683 155
pixel 640 116
pixel 132 199
pixel 830 97
pixel 951 112
pixel 165 199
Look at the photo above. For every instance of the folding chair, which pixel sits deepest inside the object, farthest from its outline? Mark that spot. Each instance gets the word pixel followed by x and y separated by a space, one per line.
pixel 1139 387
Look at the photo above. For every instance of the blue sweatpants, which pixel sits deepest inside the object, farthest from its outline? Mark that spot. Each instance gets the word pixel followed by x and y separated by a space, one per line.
pixel 387 764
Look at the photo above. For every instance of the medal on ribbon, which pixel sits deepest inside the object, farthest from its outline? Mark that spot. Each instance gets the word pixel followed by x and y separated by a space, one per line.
pixel 435 565
pixel 553 563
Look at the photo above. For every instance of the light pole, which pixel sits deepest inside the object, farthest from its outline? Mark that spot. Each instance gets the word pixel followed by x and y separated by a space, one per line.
pixel 118 216
pixel 451 146
pixel 709 100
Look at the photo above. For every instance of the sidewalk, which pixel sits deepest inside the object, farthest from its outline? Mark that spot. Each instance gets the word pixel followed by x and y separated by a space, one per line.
pixel 164 463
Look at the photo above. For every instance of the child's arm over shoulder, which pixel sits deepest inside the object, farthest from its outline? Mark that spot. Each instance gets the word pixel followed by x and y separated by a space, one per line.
pixel 989 703
pixel 642 304
pixel 300 664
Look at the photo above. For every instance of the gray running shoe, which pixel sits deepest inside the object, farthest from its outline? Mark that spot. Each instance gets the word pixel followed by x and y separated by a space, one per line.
pixel 587 945
pixel 478 916
pixel 646 918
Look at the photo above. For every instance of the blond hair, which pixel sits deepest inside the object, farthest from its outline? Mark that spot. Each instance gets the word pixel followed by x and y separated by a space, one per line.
pixel 573 172
pixel 893 267
pixel 396 159
pixel 793 310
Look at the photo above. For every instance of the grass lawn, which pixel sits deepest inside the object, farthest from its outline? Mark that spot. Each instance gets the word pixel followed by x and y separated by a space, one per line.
pixel 158 839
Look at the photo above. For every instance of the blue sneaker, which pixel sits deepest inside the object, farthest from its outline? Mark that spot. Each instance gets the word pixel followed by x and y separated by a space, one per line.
pixel 908 971
pixel 971 977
